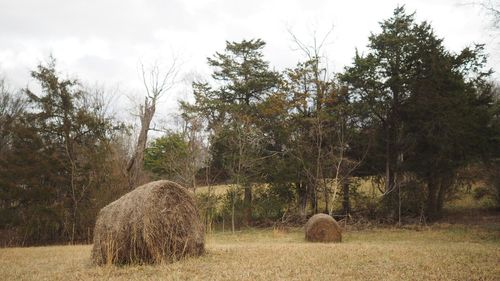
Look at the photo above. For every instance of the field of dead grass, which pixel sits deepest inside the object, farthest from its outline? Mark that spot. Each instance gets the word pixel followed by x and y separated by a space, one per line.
pixel 439 252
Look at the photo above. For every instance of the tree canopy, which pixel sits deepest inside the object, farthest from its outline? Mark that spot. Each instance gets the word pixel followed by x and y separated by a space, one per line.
pixel 408 117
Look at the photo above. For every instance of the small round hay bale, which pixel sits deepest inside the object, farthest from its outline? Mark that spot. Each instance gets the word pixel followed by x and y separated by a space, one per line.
pixel 156 222
pixel 323 228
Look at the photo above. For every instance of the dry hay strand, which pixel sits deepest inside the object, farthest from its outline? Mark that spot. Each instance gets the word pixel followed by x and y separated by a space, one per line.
pixel 155 223
pixel 323 228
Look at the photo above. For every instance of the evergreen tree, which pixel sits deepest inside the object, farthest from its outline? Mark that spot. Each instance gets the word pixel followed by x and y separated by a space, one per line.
pixel 422 100
pixel 57 158
pixel 243 80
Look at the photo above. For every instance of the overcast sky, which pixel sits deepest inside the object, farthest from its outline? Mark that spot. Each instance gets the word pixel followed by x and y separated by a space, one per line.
pixel 103 41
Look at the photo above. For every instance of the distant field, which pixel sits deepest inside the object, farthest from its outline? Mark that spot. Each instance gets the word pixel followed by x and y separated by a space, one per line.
pixel 214 189
pixel 365 186
pixel 440 252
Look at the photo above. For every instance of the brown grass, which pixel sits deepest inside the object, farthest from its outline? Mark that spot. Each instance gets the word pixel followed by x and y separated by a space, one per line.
pixel 156 222
pixel 323 228
pixel 441 252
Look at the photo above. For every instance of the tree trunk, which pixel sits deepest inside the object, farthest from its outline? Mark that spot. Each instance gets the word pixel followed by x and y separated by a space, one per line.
pixel 388 170
pixel 326 195
pixel 391 195
pixel 432 188
pixel 312 196
pixel 346 204
pixel 302 194
pixel 232 214
pixel 444 186
pixel 135 165
pixel 247 202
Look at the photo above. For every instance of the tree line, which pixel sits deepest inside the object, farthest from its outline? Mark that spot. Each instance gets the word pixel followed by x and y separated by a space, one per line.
pixel 410 116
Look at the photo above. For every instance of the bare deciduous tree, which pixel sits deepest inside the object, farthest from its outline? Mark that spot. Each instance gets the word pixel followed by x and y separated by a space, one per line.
pixel 11 107
pixel 320 85
pixel 247 141
pixel 156 83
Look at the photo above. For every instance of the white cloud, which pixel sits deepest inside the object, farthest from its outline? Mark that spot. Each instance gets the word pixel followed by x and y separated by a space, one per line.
pixel 104 41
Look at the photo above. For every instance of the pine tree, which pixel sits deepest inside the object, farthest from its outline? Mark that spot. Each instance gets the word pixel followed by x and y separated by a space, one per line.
pixel 243 80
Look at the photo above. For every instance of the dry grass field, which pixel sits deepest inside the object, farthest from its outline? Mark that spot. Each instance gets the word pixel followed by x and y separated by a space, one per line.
pixel 439 252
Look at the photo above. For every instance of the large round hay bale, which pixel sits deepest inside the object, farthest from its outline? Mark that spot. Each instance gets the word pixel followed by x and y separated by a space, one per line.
pixel 323 228
pixel 156 222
